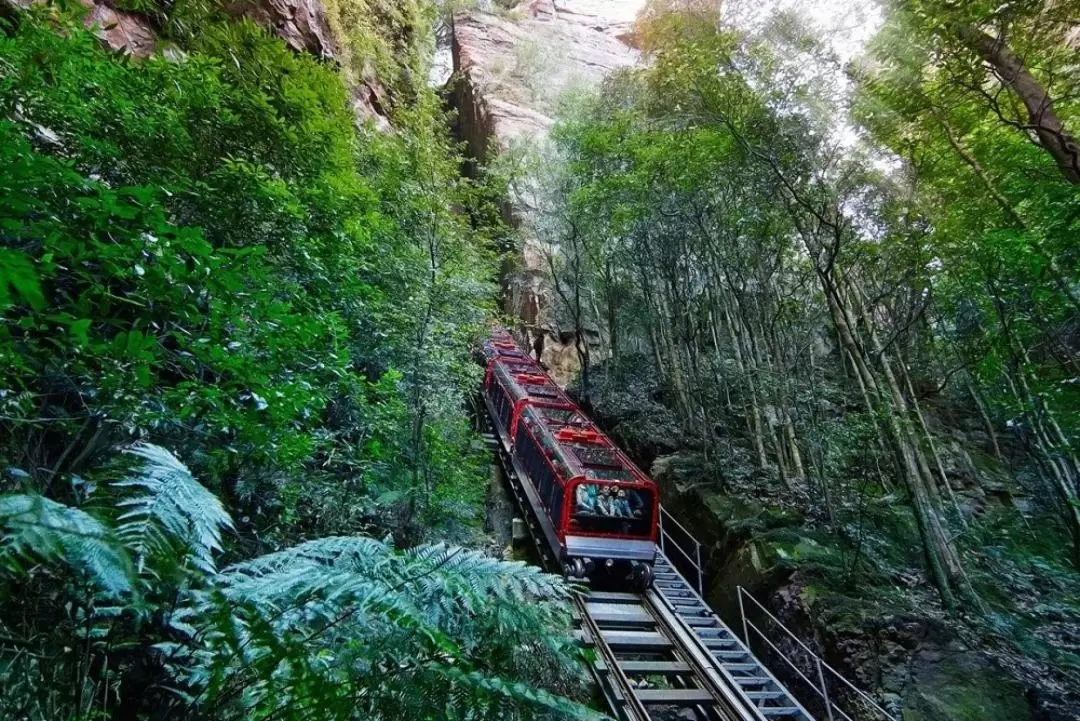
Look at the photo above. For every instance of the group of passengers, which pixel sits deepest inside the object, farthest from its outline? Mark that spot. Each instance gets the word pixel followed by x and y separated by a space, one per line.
pixel 608 500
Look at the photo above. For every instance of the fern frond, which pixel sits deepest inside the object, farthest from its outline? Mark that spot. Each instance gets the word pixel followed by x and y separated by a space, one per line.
pixel 356 629
pixel 36 528
pixel 174 507
pixel 518 692
pixel 348 553
pixel 482 575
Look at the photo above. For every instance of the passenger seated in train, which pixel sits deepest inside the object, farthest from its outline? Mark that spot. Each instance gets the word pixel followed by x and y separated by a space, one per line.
pixel 591 499
pixel 586 498
pixel 604 504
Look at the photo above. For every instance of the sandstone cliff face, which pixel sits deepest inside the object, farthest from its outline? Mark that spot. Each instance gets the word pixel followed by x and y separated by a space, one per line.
pixel 120 30
pixel 517 63
pixel 512 67
pixel 302 24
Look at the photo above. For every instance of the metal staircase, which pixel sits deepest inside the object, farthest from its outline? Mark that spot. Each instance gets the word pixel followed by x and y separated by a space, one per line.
pixel 759 693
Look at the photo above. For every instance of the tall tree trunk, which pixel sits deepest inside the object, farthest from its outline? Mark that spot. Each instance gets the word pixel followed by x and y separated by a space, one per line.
pixel 930 442
pixel 1053 450
pixel 984 414
pixel 753 417
pixel 1053 136
pixel 942 560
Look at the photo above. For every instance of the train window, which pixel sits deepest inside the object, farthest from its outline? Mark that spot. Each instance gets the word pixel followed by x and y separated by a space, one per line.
pixel 602 464
pixel 539 391
pixel 537 469
pixel 593 456
pixel 562 417
pixel 609 474
pixel 609 508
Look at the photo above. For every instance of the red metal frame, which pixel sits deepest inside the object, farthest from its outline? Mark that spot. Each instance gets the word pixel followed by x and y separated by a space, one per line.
pixel 571 488
pixel 506 353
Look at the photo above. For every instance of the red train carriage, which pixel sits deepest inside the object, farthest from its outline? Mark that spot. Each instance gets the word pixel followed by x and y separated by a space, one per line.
pixel 600 510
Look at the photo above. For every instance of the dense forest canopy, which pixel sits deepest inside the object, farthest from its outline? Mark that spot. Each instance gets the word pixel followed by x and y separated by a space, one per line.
pixel 836 300
pixel 202 250
pixel 852 289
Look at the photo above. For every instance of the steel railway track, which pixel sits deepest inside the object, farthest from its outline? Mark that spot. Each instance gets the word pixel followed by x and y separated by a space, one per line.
pixel 662 657
pixel 663 654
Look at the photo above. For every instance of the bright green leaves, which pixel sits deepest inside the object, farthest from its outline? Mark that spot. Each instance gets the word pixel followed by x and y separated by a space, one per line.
pixel 344 625
pixel 221 261
pixel 18 281
pixel 1000 218
pixel 205 252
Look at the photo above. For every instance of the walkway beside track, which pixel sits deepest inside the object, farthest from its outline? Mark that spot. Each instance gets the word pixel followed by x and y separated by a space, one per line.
pixel 666 650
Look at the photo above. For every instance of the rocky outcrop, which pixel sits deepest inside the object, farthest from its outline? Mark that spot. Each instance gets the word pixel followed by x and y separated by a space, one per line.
pixel 302 24
pixel 512 67
pixel 120 30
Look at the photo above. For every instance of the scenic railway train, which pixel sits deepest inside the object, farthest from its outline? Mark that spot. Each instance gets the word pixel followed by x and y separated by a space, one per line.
pixel 597 510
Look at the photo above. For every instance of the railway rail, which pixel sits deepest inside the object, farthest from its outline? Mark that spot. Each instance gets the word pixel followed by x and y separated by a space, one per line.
pixel 661 654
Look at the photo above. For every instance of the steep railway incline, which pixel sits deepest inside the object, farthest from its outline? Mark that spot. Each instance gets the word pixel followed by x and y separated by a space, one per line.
pixel 661 652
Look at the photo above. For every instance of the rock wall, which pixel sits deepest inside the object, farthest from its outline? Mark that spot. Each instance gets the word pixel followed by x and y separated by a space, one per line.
pixel 120 30
pixel 511 69
pixel 302 24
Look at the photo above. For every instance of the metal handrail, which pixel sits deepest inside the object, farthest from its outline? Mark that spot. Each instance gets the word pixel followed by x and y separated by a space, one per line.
pixel 821 665
pixel 667 539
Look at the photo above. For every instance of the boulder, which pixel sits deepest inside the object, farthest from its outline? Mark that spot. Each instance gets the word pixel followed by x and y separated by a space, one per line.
pixel 122 31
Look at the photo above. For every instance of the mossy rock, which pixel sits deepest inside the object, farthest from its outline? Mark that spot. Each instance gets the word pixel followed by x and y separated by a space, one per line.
pixel 950 685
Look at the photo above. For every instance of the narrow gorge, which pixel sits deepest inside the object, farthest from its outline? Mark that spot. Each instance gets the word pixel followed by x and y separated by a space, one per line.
pixel 821 550
pixel 812 265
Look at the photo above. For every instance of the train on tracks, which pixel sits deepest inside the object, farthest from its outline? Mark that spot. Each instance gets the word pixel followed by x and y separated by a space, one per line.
pixel 597 511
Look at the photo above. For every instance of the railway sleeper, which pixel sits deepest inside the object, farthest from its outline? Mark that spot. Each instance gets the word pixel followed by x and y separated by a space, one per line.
pixel 655 668
pixel 623 640
pixel 676 697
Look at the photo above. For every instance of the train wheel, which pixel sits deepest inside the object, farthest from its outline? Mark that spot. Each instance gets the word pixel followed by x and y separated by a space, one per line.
pixel 643 577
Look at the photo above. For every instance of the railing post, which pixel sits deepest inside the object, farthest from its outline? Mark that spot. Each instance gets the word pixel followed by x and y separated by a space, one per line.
pixel 824 688
pixel 742 615
pixel 663 548
pixel 700 570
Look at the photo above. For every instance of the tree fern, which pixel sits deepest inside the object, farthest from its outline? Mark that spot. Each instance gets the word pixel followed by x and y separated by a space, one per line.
pixel 174 506
pixel 38 529
pixel 349 628
pixel 336 628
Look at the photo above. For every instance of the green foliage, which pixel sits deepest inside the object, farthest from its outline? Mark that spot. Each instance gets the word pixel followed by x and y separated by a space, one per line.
pixel 211 255
pixel 172 505
pixel 862 341
pixel 440 616
pixel 341 627
pixel 205 252
pixel 37 529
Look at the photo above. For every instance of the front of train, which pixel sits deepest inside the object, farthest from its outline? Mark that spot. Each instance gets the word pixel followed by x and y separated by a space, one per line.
pixel 610 533
pixel 610 514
